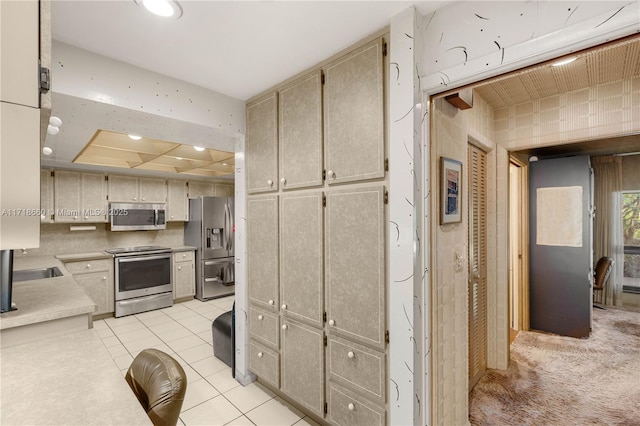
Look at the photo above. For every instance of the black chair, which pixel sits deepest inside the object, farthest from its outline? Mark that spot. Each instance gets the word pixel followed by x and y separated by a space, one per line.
pixel 159 382
pixel 601 276
pixel 223 333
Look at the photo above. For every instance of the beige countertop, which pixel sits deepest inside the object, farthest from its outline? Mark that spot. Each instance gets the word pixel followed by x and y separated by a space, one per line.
pixel 183 248
pixel 45 299
pixel 65 380
pixel 83 256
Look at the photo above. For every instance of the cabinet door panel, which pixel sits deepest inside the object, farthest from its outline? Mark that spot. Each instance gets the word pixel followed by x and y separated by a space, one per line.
pixel 302 365
pixel 301 265
pixel 348 408
pixel 67 196
pixel 355 279
pixel 264 326
pixel 262 145
pixel 177 201
pixel 354 115
pixel 201 189
pixel 99 288
pixel 93 198
pixel 264 362
pixel 357 367
pixel 262 251
pixel 123 188
pixel 153 190
pixel 300 133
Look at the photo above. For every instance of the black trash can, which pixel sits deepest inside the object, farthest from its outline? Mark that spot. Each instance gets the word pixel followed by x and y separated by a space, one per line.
pixel 223 330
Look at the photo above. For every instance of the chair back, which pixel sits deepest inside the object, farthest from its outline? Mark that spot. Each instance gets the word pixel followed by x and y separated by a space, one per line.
pixel 159 382
pixel 603 269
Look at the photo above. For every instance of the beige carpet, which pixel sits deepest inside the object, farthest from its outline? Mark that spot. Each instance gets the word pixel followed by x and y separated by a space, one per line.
pixel 554 380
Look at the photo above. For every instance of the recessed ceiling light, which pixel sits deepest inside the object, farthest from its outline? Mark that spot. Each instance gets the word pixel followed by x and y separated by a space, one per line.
pixel 224 164
pixel 178 158
pixel 164 8
pixel 135 137
pixel 564 62
pixel 47 151
pixel 198 148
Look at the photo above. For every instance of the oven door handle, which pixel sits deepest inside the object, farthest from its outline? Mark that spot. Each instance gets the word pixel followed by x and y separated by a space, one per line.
pixel 140 258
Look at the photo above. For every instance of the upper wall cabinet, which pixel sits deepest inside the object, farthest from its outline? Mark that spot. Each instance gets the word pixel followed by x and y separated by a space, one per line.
pixel 262 145
pixel 177 205
pixel 79 197
pixel 20 33
pixel 137 190
pixel 354 115
pixel 201 189
pixel 46 196
pixel 300 115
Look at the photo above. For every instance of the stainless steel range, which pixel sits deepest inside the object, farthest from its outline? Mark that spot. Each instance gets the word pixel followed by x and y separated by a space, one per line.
pixel 142 279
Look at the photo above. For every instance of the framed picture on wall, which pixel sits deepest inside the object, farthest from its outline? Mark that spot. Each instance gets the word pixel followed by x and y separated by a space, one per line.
pixel 450 191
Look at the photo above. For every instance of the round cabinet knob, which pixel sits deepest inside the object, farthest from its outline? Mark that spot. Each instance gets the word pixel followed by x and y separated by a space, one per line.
pixel 86 218
pixel 331 174
pixel 284 306
pixel 350 354
pixel 144 199
pixel 270 182
pixel 104 278
pixel 260 354
pixel 332 323
pixel 75 218
pixel 88 265
pixel 260 317
pixel 285 326
pixel 171 216
pixel 179 268
pixel 271 302
pixel 135 199
pixel 351 407
pixel 184 255
pixel 283 181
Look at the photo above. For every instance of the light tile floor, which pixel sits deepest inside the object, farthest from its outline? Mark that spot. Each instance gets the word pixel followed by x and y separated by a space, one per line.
pixel 184 331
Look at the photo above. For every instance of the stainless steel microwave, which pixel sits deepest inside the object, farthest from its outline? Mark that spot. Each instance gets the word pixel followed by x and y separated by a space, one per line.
pixel 137 216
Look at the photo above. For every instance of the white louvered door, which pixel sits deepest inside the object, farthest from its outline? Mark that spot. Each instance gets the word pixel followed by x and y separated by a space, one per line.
pixel 477 265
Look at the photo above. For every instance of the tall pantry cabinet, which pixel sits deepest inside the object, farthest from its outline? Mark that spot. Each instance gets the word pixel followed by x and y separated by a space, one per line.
pixel 316 238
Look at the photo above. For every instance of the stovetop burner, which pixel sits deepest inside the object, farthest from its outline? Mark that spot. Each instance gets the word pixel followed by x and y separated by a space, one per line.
pixel 138 249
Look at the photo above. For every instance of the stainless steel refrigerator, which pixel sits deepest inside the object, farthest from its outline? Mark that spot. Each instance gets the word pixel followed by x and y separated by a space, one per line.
pixel 210 229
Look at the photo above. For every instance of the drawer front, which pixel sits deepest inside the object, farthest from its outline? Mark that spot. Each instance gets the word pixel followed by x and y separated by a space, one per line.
pixel 264 326
pixel 345 408
pixel 264 362
pixel 183 256
pixel 357 367
pixel 87 266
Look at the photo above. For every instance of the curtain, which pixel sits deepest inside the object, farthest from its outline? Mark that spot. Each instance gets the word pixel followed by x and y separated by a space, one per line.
pixel 608 241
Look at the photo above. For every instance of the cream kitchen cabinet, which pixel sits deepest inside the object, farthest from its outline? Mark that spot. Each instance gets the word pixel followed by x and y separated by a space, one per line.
pixel 354 115
pixel 79 197
pixel 262 144
pixel 184 276
pixel 300 132
pixel 354 256
pixel 262 251
pixel 301 257
pixel 137 190
pixel 302 365
pixel 46 196
pixel 95 276
pixel 223 190
pixel 201 189
pixel 177 205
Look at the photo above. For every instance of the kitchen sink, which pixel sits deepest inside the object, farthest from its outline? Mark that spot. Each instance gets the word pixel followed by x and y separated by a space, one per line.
pixel 36 274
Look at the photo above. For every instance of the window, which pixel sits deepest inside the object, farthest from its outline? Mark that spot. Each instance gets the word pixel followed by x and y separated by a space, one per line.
pixel 631 235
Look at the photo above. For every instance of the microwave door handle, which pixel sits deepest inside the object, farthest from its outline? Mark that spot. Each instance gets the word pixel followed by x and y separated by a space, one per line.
pixel 155 217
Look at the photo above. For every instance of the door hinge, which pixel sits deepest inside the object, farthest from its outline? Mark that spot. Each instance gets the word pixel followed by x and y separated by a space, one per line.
pixel 324 317
pixel 386 336
pixel 386 164
pixel 325 340
pixel 52 219
pixel 324 200
pixel 324 174
pixel 384 48
pixel 386 196
pixel 106 177
pixel 45 78
pixel 322 78
pixel 326 408
pixel 53 173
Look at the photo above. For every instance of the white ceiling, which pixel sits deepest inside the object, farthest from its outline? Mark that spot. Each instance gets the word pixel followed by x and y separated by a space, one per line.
pixel 237 48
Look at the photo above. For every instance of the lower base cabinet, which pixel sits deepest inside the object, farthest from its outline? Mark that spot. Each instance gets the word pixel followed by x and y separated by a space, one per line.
pixel 302 369
pixel 95 276
pixel 184 275
pixel 265 363
pixel 348 408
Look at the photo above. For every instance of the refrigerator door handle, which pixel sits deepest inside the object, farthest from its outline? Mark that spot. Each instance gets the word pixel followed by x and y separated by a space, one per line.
pixel 226 228
pixel 212 280
pixel 230 228
pixel 231 275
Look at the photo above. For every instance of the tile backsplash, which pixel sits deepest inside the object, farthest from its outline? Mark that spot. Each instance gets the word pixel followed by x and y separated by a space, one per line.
pixel 59 239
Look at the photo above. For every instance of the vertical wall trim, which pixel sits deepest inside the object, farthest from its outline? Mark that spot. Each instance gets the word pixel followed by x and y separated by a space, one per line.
pixel 409 402
pixel 243 375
